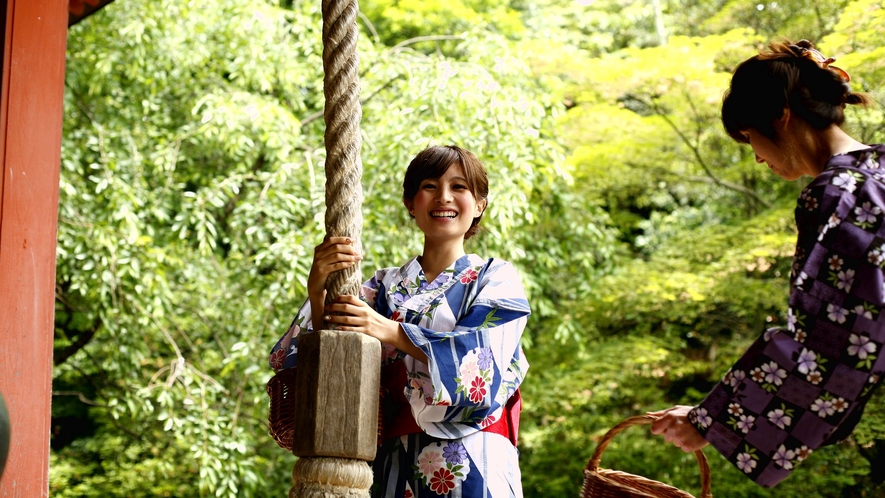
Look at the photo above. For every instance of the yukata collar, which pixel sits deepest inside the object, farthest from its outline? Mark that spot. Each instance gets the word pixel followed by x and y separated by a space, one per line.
pixel 420 302
pixel 413 266
pixel 850 158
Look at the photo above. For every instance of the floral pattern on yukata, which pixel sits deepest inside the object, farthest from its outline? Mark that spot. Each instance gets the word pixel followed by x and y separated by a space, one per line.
pixel 468 321
pixel 805 385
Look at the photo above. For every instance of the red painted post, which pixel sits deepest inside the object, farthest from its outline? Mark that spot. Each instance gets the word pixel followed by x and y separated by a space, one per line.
pixel 31 106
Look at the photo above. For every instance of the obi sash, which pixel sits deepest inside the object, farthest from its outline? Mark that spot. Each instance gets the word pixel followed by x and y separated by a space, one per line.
pixel 395 417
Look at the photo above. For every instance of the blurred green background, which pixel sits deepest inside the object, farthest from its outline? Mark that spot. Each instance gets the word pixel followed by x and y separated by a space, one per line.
pixel 654 248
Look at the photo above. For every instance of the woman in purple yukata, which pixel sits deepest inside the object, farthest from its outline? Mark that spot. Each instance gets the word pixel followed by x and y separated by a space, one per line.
pixel 805 385
pixel 450 325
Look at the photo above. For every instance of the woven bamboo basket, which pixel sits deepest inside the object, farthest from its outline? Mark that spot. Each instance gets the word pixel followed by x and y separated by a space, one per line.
pixel 281 416
pixel 606 483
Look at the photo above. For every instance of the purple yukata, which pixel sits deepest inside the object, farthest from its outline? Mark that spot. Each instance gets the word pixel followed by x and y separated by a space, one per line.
pixel 805 385
pixel 469 322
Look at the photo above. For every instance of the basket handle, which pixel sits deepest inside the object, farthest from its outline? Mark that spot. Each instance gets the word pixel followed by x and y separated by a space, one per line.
pixel 593 464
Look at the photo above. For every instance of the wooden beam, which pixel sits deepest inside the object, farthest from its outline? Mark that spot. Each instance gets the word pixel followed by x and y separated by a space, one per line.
pixel 31 106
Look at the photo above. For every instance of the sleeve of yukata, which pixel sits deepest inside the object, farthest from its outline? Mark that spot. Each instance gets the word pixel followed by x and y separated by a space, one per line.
pixel 474 368
pixel 285 352
pixel 804 386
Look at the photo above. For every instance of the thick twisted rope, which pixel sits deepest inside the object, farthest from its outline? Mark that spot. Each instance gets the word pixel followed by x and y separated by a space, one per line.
pixel 344 196
pixel 330 478
pixel 318 477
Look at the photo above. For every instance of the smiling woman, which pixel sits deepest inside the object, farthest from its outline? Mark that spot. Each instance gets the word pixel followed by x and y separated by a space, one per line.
pixel 450 324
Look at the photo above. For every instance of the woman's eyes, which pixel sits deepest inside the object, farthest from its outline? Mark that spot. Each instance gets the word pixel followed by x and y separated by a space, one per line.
pixel 431 186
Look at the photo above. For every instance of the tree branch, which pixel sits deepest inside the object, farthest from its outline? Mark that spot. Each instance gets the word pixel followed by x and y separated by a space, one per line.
pixel 700 159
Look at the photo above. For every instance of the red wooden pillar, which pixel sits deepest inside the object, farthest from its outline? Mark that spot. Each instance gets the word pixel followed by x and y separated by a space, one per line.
pixel 31 95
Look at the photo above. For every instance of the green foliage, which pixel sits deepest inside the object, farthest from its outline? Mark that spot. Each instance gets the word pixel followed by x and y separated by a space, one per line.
pixel 396 21
pixel 654 249
pixel 191 200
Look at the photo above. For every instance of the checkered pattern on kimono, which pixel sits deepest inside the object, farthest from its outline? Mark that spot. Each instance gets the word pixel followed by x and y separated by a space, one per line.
pixel 804 386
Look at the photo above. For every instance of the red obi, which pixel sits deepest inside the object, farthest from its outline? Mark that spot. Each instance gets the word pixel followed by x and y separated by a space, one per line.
pixel 395 417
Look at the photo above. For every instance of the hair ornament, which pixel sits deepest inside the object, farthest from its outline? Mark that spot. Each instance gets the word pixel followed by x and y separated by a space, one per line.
pixel 818 58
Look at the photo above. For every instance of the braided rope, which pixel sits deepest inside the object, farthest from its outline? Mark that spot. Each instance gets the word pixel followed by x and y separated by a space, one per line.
pixel 344 196
pixel 315 477
pixel 330 478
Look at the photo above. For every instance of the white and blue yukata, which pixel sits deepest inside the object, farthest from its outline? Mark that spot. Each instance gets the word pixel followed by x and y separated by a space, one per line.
pixel 468 322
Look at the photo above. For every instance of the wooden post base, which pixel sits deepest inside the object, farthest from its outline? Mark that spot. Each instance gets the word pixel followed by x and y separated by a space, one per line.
pixel 336 388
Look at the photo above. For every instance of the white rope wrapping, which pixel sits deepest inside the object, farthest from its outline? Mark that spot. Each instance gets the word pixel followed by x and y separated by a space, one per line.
pixel 330 478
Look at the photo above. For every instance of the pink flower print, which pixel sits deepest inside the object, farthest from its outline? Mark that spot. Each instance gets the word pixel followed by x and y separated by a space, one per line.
pixel 823 407
pixel 861 346
pixel 835 262
pixel 834 221
pixel 757 375
pixel 866 212
pixel 779 418
pixel 773 373
pixel 388 352
pixel 477 389
pixel 784 457
pixel 442 481
pixel 814 377
pixel 277 358
pixel 469 367
pixel 846 280
pixel 811 203
pixel 802 453
pixel 839 404
pixel 470 275
pixel 735 409
pixel 734 377
pixel 877 255
pixel 746 422
pixel 429 461
pixel 836 313
pixel 370 295
pixel 746 463
pixel 807 361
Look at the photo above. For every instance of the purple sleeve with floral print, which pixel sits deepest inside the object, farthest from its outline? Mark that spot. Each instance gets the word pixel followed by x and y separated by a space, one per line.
pixel 805 386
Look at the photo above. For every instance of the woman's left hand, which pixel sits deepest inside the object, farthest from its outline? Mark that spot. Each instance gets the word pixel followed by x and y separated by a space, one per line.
pixel 357 316
pixel 673 424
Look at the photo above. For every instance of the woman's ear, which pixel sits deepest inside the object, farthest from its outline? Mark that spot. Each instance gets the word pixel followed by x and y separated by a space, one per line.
pixel 480 207
pixel 781 123
pixel 410 206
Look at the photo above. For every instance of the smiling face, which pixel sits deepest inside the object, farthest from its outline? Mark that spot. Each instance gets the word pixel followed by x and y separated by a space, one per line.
pixel 444 208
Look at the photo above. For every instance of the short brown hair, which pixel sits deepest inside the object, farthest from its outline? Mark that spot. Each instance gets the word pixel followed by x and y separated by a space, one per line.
pixel 434 161
pixel 765 84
